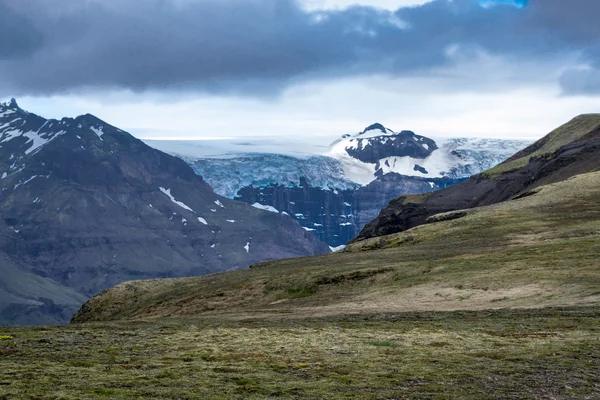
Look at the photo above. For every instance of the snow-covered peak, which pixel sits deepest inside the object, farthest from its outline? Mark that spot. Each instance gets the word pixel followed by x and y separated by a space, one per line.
pixel 24 133
pixel 378 151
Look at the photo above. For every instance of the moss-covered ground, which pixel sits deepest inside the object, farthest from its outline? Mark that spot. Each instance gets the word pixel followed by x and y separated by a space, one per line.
pixel 505 354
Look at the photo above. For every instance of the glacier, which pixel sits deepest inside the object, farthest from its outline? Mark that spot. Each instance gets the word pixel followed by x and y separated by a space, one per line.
pixel 334 190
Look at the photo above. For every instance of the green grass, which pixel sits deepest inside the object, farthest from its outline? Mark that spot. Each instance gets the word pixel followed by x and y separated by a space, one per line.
pixel 550 353
pixel 537 251
pixel 570 132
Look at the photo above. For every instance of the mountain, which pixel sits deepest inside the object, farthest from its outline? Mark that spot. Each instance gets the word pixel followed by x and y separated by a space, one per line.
pixel 335 191
pixel 567 151
pixel 85 206
pixel 378 150
pixel 536 248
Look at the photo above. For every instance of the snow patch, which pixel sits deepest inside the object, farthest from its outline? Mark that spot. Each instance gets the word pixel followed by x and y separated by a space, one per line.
pixel 266 208
pixel 247 247
pixel 26 182
pixel 179 203
pixel 231 220
pixel 7 112
pixel 217 202
pixel 338 248
pixel 98 131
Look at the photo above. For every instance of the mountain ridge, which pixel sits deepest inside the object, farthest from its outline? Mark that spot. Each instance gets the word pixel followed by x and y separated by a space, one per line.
pixel 86 205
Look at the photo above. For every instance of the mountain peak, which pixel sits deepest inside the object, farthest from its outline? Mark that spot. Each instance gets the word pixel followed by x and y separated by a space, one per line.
pixel 10 105
pixel 376 126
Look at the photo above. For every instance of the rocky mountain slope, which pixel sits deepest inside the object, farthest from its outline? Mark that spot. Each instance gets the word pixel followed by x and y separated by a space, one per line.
pixel 336 193
pixel 569 150
pixel 85 206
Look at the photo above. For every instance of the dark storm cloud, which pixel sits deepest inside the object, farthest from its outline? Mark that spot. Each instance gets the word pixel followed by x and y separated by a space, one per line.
pixel 259 47
pixel 17 35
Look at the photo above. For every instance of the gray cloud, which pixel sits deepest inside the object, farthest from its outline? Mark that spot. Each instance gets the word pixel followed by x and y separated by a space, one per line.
pixel 259 47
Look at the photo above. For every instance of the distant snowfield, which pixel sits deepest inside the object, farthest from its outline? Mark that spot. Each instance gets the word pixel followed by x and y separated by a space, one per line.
pixel 454 158
pixel 239 146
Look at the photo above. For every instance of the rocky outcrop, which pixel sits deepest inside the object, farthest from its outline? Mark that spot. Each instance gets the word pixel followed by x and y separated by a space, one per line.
pixel 371 149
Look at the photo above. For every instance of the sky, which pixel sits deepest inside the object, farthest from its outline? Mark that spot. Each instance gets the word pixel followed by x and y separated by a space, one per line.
pixel 193 69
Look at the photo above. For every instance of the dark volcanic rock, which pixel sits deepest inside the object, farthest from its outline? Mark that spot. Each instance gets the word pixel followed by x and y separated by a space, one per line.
pixel 372 149
pixel 577 151
pixel 85 206
pixel 370 199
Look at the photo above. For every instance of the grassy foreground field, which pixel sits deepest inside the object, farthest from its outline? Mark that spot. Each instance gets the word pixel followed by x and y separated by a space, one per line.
pixel 506 354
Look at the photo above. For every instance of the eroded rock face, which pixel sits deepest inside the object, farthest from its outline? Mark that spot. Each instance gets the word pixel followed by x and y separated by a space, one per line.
pixel 337 216
pixel 86 206
pixel 370 199
pixel 329 214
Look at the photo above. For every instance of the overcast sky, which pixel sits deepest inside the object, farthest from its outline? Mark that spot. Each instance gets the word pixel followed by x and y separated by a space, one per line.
pixel 229 68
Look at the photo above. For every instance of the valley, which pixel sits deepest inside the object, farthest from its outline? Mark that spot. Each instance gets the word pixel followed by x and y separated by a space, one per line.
pixel 334 189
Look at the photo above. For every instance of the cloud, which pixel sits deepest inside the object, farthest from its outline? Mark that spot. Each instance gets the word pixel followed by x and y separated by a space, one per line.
pixel 261 47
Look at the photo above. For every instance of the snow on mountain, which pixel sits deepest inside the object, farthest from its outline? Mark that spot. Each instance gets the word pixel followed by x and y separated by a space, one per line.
pixel 370 154
pixel 266 208
pixel 334 190
pixel 348 163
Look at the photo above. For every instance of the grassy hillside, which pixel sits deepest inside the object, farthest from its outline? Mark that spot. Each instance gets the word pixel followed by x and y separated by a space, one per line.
pixel 537 251
pixel 579 128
